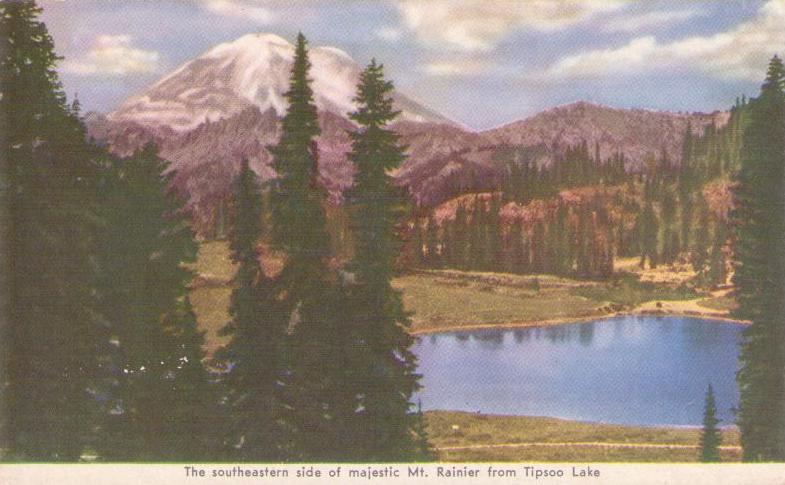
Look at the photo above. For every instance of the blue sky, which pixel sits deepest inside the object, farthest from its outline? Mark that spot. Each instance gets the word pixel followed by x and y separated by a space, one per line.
pixel 480 62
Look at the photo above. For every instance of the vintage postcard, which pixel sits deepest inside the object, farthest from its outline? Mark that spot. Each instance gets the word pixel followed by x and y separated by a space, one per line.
pixel 447 241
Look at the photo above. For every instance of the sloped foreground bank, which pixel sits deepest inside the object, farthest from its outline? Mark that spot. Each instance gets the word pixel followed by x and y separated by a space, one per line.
pixel 469 437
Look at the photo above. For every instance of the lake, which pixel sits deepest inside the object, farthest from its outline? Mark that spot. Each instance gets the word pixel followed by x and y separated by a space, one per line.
pixel 625 370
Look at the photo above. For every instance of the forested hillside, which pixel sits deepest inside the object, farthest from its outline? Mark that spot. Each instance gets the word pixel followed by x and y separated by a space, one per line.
pixel 575 214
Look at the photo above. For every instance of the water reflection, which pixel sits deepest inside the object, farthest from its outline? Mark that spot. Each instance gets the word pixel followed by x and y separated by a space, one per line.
pixel 586 333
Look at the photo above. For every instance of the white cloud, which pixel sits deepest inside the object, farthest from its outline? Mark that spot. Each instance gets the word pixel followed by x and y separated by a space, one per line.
pixel 113 55
pixel 389 33
pixel 478 25
pixel 741 52
pixel 657 18
pixel 253 10
pixel 456 68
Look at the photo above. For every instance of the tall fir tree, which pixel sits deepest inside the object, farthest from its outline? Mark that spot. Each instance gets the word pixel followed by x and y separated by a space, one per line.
pixel 702 241
pixel 388 378
pixel 251 360
pixel 670 233
pixel 318 392
pixel 432 243
pixel 759 275
pixel 711 437
pixel 418 242
pixel 648 228
pixel 717 261
pixel 50 344
pixel 460 241
pixel 686 187
pixel 161 403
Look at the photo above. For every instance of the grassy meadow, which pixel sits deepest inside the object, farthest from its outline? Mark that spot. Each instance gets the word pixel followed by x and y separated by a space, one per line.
pixel 461 436
pixel 448 299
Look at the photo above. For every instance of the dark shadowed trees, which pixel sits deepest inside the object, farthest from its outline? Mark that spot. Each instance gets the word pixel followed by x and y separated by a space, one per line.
pixel 51 340
pixel 318 400
pixel 760 272
pixel 250 361
pixel 159 400
pixel 389 430
pixel 711 437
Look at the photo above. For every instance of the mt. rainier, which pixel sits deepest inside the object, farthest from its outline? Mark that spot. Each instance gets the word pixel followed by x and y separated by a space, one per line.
pixel 250 71
pixel 225 106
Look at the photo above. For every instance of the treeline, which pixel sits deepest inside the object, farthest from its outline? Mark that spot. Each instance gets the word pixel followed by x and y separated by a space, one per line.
pixel 526 179
pixel 759 278
pixel 577 214
pixel 559 238
pixel 102 356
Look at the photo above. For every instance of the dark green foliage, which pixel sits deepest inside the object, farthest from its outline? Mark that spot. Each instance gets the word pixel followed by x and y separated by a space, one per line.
pixel 433 255
pixel 670 233
pixel 423 450
pixel 648 228
pixel 672 192
pixel 457 241
pixel 583 242
pixel 538 248
pixel 760 272
pixel 418 245
pixel 160 403
pixel 526 179
pixel 560 242
pixel 702 242
pixel 387 429
pixel 298 216
pixel 717 261
pixel 625 289
pixel 47 186
pixel 566 241
pixel 317 397
pixel 250 361
pixel 711 438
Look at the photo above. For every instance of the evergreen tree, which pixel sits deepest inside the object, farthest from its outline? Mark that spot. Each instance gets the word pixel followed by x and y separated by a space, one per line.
pixel 648 227
pixel 318 397
pixel 670 237
pixel 517 254
pixel 702 242
pixel 686 187
pixel 51 341
pixel 432 243
pixel 561 244
pixel 476 235
pixel 711 438
pixel 760 272
pixel 582 240
pixel 387 375
pixel 160 402
pixel 483 239
pixel 717 270
pixel 460 241
pixel 250 360
pixel 423 449
pixel 418 242
pixel 538 249
pixel 494 235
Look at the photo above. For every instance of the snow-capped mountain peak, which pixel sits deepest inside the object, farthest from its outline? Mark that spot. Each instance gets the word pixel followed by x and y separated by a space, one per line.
pixel 253 70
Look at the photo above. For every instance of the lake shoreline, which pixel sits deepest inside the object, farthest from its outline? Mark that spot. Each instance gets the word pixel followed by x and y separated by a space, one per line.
pixel 573 320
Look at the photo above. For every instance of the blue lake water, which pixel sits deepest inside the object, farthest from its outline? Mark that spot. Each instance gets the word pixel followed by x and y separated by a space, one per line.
pixel 627 370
